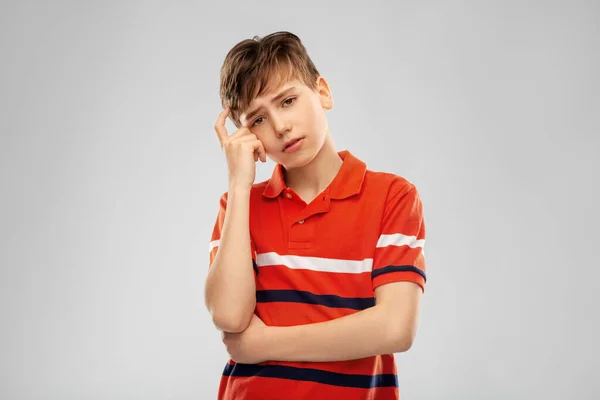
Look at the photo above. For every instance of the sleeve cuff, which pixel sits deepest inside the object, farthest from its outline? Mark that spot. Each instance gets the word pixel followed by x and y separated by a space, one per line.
pixel 393 273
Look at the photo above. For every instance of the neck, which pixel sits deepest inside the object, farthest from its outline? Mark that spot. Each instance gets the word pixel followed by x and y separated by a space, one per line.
pixel 315 176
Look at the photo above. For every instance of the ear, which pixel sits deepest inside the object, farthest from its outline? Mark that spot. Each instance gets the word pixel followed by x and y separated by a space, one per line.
pixel 324 93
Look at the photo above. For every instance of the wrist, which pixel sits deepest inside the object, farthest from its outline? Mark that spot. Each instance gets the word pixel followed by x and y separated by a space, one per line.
pixel 269 344
pixel 237 188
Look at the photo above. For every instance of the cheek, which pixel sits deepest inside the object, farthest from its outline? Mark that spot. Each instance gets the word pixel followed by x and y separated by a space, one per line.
pixel 318 125
pixel 269 145
pixel 317 113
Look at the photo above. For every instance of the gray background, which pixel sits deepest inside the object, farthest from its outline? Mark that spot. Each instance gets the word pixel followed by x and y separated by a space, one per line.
pixel 110 174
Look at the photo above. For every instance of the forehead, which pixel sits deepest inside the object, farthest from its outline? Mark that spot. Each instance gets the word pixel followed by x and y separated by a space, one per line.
pixel 272 90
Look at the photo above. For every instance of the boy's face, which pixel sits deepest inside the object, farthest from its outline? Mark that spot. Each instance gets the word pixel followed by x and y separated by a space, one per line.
pixel 292 111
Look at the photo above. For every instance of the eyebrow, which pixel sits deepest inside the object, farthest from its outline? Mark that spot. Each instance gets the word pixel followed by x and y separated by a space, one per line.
pixel 273 100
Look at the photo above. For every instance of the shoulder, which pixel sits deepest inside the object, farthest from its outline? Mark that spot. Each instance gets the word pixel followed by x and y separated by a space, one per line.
pixel 388 184
pixel 399 198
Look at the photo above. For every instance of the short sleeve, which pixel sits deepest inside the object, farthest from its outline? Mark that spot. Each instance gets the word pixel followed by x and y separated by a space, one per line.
pixel 399 252
pixel 215 239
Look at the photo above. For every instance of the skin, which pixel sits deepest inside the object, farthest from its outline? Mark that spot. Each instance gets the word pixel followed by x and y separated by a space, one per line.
pixel 298 113
pixel 385 328
pixel 301 113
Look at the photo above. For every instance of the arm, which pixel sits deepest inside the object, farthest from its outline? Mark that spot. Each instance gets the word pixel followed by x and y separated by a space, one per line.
pixel 398 281
pixel 230 292
pixel 382 329
pixel 390 326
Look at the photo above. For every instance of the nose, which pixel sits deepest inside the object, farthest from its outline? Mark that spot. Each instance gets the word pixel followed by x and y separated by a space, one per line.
pixel 281 125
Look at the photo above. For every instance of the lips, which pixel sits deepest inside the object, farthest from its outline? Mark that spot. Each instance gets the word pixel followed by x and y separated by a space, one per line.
pixel 290 143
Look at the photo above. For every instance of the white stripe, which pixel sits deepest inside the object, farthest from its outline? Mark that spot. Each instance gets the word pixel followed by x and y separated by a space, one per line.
pixel 316 263
pixel 398 239
pixel 213 244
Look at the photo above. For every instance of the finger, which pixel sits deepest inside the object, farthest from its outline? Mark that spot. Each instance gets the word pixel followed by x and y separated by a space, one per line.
pixel 262 153
pixel 259 149
pixel 220 125
pixel 242 133
pixel 255 156
pixel 243 137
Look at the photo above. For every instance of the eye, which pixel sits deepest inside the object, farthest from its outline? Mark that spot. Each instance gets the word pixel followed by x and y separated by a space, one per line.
pixel 257 119
pixel 287 100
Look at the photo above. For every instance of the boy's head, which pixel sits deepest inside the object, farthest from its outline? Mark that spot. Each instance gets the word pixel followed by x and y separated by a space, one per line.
pixel 254 72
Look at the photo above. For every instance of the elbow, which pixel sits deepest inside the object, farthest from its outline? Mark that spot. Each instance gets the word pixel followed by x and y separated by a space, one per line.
pixel 404 343
pixel 230 319
pixel 230 323
pixel 227 315
pixel 401 338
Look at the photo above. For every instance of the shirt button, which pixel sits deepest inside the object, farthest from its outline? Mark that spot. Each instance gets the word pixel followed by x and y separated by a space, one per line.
pixel 301 221
pixel 288 195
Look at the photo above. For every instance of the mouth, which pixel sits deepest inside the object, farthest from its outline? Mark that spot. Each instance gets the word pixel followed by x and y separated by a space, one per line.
pixel 291 142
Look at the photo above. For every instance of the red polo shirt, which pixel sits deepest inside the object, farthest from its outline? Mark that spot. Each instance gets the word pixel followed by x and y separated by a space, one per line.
pixel 320 261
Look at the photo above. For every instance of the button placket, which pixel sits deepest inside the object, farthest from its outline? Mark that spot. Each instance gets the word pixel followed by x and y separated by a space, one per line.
pixel 301 234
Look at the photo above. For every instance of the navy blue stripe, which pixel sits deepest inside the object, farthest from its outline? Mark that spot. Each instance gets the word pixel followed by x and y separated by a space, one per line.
pixel 397 268
pixel 328 300
pixel 312 375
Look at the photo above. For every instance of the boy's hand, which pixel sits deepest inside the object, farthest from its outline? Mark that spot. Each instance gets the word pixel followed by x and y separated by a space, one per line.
pixel 242 150
pixel 249 346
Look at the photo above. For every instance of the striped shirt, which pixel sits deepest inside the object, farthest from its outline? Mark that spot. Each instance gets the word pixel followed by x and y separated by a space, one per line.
pixel 323 260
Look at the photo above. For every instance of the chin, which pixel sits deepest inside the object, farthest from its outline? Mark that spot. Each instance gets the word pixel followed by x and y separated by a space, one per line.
pixel 301 159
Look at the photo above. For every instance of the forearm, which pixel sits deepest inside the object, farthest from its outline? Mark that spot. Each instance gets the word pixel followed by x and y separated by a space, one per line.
pixel 230 291
pixel 362 334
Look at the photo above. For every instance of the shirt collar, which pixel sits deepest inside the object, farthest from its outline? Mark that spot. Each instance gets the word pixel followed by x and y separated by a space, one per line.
pixel 346 183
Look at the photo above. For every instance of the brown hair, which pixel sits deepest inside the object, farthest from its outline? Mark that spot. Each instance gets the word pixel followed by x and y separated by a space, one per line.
pixel 255 66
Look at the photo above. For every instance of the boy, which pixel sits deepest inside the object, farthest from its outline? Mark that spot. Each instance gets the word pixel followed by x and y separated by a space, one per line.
pixel 316 274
